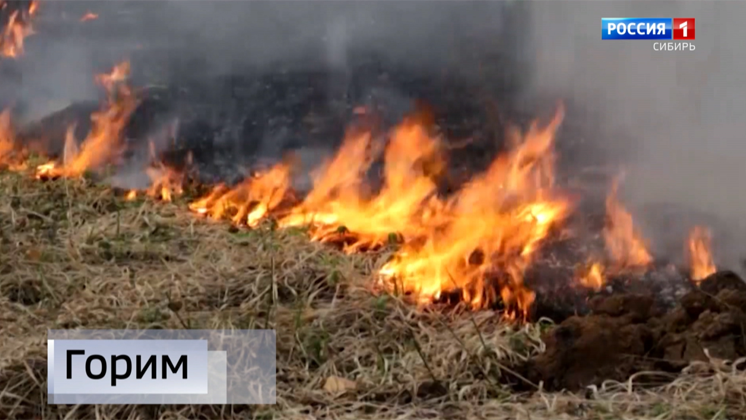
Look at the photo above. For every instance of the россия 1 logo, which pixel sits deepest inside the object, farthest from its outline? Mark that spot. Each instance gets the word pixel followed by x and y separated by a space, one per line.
pixel 659 29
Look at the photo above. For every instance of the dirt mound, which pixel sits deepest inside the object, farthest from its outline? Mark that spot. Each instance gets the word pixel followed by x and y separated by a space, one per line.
pixel 628 333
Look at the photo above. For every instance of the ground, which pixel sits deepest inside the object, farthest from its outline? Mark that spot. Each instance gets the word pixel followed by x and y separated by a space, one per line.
pixel 75 255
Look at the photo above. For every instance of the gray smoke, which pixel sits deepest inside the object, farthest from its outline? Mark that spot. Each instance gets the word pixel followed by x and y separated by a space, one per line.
pixel 175 42
pixel 204 38
pixel 676 117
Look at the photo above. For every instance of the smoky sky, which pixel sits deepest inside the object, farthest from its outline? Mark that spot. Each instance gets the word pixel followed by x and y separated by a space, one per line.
pixel 177 38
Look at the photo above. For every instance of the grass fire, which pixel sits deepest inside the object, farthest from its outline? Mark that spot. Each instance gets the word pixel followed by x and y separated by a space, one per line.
pixel 402 279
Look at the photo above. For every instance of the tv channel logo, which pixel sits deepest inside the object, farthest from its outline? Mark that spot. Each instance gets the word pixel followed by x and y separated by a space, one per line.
pixel 648 28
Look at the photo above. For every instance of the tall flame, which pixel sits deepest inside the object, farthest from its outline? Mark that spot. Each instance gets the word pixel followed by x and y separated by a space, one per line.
pixel 11 156
pixel 103 143
pixel 492 231
pixel 7 137
pixel 700 256
pixel 625 245
pixel 486 234
pixel 338 198
pixel 16 30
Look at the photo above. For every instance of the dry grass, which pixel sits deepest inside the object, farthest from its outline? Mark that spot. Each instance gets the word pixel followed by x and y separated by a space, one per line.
pixel 75 256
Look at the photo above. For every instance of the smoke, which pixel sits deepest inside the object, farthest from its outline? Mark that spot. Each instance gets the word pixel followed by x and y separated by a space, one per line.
pixel 178 43
pixel 202 38
pixel 675 120
pixel 322 33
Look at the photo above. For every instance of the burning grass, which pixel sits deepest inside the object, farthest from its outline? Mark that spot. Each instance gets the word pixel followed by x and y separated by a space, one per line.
pixel 17 27
pixel 74 255
pixel 351 344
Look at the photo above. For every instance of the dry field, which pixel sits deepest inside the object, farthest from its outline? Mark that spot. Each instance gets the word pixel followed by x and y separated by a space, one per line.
pixel 75 255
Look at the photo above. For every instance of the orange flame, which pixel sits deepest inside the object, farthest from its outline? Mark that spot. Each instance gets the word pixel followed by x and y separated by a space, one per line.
pixel 7 136
pixel 494 226
pixel 337 198
pixel 491 229
pixel 627 248
pixel 7 139
pixel 166 182
pixel 11 157
pixel 102 144
pixel 249 202
pixel 593 278
pixel 89 16
pixel 16 30
pixel 700 255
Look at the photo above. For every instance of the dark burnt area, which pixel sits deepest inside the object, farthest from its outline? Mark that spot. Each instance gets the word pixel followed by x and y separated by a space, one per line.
pixel 235 121
pixel 239 119
pixel 626 333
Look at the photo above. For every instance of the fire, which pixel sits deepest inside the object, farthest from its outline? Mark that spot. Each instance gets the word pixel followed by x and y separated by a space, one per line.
pixel 7 137
pixel 16 30
pixel 700 256
pixel 475 245
pixel 338 198
pixel 493 228
pixel 593 278
pixel 8 156
pixel 89 16
pixel 11 156
pixel 625 245
pixel 166 182
pixel 250 201
pixel 102 144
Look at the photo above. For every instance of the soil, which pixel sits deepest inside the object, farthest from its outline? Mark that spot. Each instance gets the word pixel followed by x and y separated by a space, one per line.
pixel 629 333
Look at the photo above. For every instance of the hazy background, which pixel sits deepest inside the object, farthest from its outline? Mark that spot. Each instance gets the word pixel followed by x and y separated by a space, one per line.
pixel 678 118
pixel 184 38
pixel 673 120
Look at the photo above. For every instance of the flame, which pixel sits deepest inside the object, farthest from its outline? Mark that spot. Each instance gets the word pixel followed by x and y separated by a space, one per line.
pixel 338 198
pixel 8 157
pixel 102 144
pixel 594 277
pixel 493 228
pixel 11 156
pixel 700 255
pixel 250 201
pixel 7 136
pixel 89 16
pixel 476 244
pixel 16 30
pixel 490 229
pixel 166 182
pixel 625 245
